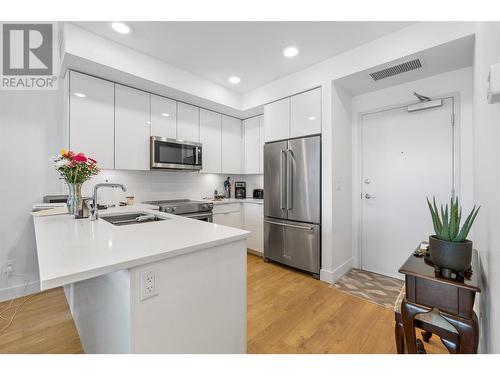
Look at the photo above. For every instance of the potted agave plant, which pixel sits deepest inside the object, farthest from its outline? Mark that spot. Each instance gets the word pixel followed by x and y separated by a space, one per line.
pixel 450 250
pixel 75 169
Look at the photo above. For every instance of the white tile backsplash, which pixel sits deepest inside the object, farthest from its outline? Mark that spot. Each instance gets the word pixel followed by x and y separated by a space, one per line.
pixel 149 185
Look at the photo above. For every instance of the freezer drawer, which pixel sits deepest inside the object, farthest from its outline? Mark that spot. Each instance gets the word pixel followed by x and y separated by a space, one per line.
pixel 293 244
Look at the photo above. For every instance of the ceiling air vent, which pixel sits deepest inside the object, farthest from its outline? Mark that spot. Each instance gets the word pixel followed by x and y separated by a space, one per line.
pixel 396 69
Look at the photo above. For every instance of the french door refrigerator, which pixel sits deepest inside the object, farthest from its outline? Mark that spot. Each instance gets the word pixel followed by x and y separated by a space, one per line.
pixel 292 204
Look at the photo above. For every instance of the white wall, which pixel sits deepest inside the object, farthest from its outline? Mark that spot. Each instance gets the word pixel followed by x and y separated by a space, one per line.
pixel 30 132
pixel 458 81
pixel 487 181
pixel 342 183
pixel 407 41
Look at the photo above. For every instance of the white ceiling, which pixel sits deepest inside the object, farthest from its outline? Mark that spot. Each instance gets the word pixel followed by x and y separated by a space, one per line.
pixel 443 58
pixel 250 50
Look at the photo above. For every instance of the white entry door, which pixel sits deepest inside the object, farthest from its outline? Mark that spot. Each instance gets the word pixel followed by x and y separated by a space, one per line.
pixel 405 158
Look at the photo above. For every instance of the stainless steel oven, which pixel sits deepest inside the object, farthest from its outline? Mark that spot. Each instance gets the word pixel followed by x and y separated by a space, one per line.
pixel 205 216
pixel 167 153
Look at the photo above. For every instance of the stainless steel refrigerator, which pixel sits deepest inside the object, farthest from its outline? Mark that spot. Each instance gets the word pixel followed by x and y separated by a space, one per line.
pixel 292 204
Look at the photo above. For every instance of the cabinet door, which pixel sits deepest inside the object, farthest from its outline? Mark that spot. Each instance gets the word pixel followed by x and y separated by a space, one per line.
pixel 91 118
pixel 163 117
pixel 252 145
pixel 254 222
pixel 132 129
pixel 305 113
pixel 277 120
pixel 188 122
pixel 229 219
pixel 210 138
pixel 231 145
pixel 261 144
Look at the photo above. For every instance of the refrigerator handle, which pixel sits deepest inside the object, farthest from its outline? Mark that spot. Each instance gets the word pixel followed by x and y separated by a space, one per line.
pixel 289 177
pixel 282 181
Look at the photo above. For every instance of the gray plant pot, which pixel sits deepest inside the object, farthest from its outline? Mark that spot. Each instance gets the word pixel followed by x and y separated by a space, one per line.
pixel 455 256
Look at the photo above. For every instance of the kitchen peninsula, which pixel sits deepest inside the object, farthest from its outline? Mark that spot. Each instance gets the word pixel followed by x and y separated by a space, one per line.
pixel 173 285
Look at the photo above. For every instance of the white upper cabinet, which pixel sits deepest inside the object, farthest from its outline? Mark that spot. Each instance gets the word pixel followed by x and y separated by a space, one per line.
pixel 305 113
pixel 252 157
pixel 132 128
pixel 163 117
pixel 91 118
pixel 277 120
pixel 231 145
pixel 188 122
pixel 211 138
pixel 261 144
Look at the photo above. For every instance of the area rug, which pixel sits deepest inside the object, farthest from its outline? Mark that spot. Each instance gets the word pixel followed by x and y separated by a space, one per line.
pixel 372 287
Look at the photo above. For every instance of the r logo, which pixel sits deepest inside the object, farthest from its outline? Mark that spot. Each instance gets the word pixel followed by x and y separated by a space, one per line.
pixel 27 49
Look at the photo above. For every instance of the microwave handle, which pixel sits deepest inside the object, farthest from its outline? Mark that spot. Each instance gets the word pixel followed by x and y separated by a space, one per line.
pixel 197 152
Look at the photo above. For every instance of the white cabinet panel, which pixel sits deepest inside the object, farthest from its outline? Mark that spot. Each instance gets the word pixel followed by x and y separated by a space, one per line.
pixel 211 138
pixel 231 145
pixel 132 129
pixel 229 219
pixel 91 118
pixel 254 222
pixel 305 113
pixel 163 117
pixel 277 120
pixel 261 144
pixel 251 128
pixel 188 122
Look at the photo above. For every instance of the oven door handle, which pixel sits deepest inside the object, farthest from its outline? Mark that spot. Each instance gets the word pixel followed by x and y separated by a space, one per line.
pixel 195 216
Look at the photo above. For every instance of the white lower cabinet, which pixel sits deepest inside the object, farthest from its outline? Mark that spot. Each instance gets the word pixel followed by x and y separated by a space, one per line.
pixel 254 222
pixel 229 219
pixel 132 128
pixel 247 216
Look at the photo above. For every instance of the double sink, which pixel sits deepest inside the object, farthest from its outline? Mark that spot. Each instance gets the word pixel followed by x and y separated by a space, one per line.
pixel 131 218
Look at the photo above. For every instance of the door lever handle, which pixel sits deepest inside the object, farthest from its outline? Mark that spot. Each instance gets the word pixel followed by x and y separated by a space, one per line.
pixel 368 196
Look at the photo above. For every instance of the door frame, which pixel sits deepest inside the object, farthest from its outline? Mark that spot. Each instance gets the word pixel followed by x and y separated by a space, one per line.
pixel 357 164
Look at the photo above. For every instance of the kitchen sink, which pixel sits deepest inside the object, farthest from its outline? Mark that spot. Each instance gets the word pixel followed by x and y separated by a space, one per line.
pixel 131 218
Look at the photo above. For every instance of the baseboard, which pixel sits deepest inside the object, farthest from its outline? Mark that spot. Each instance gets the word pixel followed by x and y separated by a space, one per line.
pixel 255 252
pixel 19 290
pixel 332 276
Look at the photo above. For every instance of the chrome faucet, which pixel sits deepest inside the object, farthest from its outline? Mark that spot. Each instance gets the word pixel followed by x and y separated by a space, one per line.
pixel 94 213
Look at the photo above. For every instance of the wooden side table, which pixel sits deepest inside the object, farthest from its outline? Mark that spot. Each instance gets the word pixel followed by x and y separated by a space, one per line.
pixel 454 300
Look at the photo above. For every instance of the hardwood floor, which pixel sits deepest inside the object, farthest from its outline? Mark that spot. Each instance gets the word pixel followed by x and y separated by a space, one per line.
pixel 288 312
pixel 43 325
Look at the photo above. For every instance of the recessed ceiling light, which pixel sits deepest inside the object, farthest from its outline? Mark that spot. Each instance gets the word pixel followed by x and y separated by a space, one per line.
pixel 312 118
pixel 120 27
pixel 234 79
pixel 290 51
pixel 80 95
pixel 165 114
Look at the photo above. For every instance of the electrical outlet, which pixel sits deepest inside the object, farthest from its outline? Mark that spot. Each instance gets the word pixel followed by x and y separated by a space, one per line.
pixel 8 267
pixel 149 284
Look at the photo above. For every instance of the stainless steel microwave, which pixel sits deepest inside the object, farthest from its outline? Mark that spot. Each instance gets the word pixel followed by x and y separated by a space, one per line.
pixel 167 153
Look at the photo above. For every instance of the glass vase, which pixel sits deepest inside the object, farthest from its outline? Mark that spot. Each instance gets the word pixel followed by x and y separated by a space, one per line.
pixel 74 197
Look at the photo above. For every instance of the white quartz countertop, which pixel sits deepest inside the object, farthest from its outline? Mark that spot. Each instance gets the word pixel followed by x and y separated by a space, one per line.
pixel 234 200
pixel 71 250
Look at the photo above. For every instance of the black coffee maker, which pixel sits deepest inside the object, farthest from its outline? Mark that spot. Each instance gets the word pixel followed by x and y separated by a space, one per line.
pixel 240 190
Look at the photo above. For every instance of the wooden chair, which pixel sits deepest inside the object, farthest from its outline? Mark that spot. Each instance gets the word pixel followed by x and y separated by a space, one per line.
pixel 431 323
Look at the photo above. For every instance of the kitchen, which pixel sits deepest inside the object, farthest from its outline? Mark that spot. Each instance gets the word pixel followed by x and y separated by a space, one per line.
pixel 209 194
